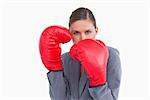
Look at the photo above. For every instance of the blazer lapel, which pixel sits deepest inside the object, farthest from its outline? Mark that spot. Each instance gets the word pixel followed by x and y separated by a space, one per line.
pixel 82 83
pixel 78 83
pixel 74 78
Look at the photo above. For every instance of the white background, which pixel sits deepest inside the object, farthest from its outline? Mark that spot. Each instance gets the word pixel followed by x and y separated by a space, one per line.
pixel 123 24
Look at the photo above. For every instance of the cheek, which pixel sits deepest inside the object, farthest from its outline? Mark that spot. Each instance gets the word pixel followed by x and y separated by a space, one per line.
pixel 94 35
pixel 76 39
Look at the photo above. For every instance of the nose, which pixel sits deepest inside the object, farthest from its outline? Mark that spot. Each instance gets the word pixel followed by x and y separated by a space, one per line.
pixel 83 36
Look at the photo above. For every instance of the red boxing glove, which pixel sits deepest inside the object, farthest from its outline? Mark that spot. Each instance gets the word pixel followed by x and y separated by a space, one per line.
pixel 50 46
pixel 93 56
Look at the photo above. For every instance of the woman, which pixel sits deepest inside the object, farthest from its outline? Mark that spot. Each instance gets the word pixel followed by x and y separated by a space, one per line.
pixel 90 71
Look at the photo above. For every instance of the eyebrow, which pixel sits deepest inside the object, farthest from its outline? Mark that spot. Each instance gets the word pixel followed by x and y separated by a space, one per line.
pixel 79 31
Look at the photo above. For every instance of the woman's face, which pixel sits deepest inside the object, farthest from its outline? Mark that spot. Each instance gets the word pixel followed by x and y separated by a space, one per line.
pixel 82 29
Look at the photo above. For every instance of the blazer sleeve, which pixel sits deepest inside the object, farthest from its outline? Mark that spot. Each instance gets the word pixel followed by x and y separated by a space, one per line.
pixel 58 85
pixel 110 90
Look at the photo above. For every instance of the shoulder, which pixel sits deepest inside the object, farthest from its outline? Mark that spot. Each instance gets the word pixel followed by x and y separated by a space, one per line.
pixel 113 64
pixel 66 56
pixel 67 60
pixel 114 57
pixel 113 52
pixel 114 71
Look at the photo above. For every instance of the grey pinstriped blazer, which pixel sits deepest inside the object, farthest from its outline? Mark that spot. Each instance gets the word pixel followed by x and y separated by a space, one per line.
pixel 68 85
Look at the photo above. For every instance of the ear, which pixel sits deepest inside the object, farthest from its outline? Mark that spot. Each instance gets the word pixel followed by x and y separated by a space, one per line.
pixel 96 29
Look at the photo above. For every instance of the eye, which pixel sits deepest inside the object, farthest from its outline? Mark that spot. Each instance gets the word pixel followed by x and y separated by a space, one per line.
pixel 76 33
pixel 87 32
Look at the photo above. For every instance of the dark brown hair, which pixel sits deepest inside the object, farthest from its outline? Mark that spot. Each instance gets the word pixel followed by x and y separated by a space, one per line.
pixel 81 14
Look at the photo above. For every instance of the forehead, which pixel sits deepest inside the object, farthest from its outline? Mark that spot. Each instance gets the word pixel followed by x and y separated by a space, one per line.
pixel 82 25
